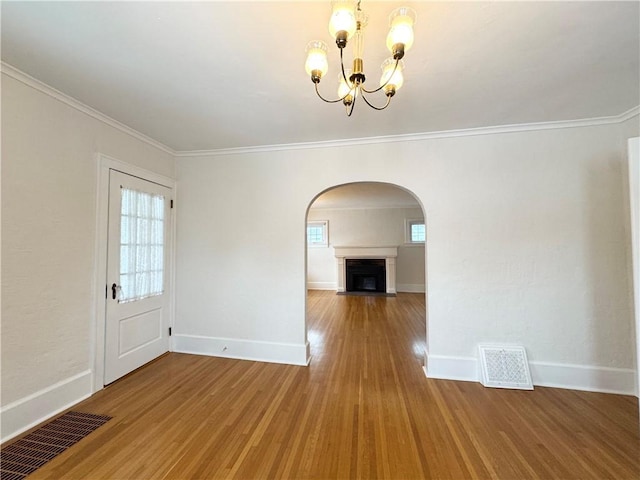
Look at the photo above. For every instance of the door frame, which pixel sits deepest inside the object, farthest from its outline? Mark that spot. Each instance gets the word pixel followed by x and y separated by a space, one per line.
pixel 633 154
pixel 105 164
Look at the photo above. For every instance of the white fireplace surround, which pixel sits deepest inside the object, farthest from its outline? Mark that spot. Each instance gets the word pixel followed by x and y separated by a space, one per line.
pixel 388 253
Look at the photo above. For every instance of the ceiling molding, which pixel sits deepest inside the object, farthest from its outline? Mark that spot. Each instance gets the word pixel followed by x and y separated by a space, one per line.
pixel 629 114
pixel 32 82
pixel 412 137
pixel 81 107
pixel 363 207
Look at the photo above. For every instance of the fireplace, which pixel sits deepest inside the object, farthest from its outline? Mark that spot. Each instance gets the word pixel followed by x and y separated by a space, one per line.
pixel 366 269
pixel 365 275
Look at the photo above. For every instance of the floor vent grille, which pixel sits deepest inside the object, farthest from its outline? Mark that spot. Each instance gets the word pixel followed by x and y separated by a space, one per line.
pixel 505 367
pixel 29 453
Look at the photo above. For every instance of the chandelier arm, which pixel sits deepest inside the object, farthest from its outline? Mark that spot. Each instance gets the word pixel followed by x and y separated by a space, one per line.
pixel 385 83
pixel 373 106
pixel 344 75
pixel 350 107
pixel 328 101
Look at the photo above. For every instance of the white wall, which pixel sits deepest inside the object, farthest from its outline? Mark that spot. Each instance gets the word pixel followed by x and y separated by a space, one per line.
pixel 49 180
pixel 526 245
pixel 366 227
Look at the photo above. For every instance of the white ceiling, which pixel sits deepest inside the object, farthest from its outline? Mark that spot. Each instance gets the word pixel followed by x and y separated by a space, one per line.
pixel 211 75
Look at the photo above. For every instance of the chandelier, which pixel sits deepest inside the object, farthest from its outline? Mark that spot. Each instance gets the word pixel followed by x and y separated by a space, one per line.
pixel 347 23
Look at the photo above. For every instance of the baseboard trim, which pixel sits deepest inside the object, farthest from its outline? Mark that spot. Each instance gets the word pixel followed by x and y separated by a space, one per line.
pixel 587 378
pixel 620 381
pixel 270 352
pixel 451 368
pixel 322 286
pixel 24 414
pixel 411 288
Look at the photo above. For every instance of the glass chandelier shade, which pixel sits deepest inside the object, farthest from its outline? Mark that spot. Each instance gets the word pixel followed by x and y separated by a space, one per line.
pixel 316 64
pixel 400 37
pixel 342 23
pixel 346 24
pixel 392 77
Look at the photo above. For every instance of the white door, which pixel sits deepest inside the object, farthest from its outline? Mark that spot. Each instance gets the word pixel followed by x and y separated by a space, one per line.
pixel 137 312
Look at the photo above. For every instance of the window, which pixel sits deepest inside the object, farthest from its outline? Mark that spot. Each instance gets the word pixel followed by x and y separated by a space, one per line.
pixel 318 233
pixel 141 245
pixel 415 231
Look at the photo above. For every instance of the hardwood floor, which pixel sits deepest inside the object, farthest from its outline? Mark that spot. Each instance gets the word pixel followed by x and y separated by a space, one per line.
pixel 362 409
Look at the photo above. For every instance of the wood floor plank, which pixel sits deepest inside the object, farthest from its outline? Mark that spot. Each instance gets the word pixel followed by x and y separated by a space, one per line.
pixel 363 409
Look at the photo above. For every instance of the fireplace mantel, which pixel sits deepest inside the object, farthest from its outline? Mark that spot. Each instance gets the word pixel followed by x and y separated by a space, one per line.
pixel 366 252
pixel 388 253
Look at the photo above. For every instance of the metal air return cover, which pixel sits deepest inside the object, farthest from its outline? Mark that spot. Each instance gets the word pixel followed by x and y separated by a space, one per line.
pixel 505 367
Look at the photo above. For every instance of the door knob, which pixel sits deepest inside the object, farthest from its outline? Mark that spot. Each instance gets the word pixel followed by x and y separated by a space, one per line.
pixel 114 291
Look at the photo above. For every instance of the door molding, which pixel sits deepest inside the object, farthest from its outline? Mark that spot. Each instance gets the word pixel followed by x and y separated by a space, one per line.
pixel 105 164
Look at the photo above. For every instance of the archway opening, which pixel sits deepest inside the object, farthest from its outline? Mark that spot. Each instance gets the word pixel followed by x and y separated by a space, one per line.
pixel 352 224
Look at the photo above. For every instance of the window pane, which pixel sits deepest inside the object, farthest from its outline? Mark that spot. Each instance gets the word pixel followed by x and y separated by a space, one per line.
pixel 315 234
pixel 141 245
pixel 417 232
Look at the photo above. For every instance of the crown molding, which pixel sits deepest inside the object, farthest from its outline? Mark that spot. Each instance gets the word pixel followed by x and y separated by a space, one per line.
pixel 28 80
pixel 629 114
pixel 412 137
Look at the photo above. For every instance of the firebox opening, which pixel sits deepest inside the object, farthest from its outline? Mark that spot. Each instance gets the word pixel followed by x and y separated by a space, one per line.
pixel 365 275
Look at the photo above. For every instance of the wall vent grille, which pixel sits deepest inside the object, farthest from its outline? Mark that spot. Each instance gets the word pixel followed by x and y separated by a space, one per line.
pixel 505 367
pixel 27 454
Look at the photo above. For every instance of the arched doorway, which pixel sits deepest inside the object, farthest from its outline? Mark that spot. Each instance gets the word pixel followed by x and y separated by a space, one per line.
pixel 351 221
